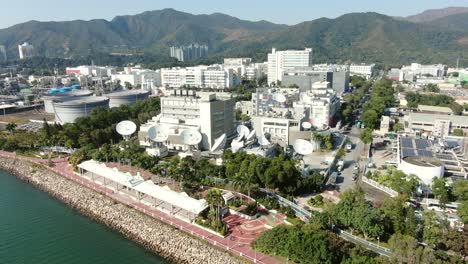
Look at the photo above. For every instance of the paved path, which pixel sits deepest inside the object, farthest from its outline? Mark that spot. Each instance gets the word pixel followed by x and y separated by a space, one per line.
pixel 237 244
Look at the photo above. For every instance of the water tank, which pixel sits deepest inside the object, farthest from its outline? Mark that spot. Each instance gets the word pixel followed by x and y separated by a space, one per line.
pixel 66 111
pixel 65 89
pixel 76 87
pixel 425 168
pixel 126 97
pixel 62 97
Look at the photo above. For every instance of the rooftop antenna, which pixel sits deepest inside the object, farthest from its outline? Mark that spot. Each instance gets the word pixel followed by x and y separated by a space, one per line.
pixel 126 129
pixel 220 143
pixel 458 62
pixel 157 134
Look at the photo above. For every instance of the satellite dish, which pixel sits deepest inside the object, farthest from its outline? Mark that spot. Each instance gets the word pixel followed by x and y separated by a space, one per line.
pixel 263 141
pixel 191 137
pixel 157 134
pixel 220 143
pixel 126 129
pixel 250 136
pixel 306 125
pixel 303 147
pixel 242 131
pixel 280 98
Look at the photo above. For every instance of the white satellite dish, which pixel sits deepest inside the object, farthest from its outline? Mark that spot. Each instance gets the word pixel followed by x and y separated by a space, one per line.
pixel 250 136
pixel 263 141
pixel 126 129
pixel 157 134
pixel 191 137
pixel 242 131
pixel 220 143
pixel 306 125
pixel 303 147
pixel 280 98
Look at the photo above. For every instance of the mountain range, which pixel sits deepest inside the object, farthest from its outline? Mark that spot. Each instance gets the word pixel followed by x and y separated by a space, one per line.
pixel 430 37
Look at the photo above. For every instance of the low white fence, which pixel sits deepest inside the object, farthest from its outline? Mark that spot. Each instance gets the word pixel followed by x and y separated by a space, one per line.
pixel 379 186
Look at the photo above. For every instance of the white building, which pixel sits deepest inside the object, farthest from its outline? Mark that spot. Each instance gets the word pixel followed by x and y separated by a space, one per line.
pixel 362 69
pixel 91 70
pixel 278 61
pixel 434 124
pixel 437 70
pixel 212 114
pixel 138 77
pixel 256 71
pixel 322 104
pixel 213 76
pixel 25 50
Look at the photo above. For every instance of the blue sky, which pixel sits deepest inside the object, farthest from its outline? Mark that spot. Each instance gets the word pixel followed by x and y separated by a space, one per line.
pixel 278 11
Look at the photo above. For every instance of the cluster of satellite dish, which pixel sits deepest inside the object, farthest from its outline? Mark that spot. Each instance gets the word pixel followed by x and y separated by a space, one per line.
pixel 126 129
pixel 160 134
pixel 245 138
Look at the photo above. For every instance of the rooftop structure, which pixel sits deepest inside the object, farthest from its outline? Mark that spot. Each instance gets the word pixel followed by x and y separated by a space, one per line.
pixel 434 109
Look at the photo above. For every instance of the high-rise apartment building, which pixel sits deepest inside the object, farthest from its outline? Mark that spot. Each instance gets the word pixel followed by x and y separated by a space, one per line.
pixel 279 61
pixel 3 55
pixel 189 52
pixel 25 50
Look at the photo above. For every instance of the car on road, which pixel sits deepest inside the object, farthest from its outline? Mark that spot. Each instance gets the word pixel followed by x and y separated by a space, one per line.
pixel 349 147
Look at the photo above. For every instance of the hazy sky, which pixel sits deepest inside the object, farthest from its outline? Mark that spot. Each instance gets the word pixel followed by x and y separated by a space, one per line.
pixel 278 11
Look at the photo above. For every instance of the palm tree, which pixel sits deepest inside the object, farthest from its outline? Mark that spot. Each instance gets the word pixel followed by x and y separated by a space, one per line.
pixel 244 181
pixel 11 127
pixel 215 199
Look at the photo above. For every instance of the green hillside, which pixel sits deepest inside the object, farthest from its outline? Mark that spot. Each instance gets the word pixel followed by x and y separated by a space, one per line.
pixel 360 37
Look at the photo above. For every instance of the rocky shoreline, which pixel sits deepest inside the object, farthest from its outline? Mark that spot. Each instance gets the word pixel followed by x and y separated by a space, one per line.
pixel 160 238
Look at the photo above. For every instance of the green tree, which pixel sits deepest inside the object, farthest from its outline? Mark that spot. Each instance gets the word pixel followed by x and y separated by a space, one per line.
pixel 370 118
pixel 432 233
pixel 398 127
pixel 440 190
pixel 460 190
pixel 463 211
pixel 366 136
pixel 215 199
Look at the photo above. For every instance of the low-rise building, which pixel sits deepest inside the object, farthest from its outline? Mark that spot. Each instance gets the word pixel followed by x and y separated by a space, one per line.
pixel 434 124
pixel 362 69
pixel 214 76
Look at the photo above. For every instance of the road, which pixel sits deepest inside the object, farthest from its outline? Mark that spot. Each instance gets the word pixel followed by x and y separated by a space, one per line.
pixel 345 180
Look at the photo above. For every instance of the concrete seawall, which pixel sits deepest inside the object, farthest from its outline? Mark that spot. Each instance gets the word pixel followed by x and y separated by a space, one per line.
pixel 160 238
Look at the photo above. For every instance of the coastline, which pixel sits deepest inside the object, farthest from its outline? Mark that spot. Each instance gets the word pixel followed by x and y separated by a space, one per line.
pixel 160 238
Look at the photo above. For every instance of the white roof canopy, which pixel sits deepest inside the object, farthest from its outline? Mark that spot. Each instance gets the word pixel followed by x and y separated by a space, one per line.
pixel 180 200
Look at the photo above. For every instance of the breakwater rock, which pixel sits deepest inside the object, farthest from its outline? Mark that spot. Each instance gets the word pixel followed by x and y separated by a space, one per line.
pixel 165 240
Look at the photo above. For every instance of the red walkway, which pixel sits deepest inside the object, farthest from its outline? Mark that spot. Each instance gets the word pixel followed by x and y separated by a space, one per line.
pixel 237 243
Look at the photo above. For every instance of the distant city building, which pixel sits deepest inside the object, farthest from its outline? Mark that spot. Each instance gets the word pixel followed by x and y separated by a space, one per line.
pixel 3 55
pixel 416 69
pixel 138 77
pixel 90 70
pixel 190 52
pixel 279 61
pixel 25 50
pixel 213 76
pixel 362 69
